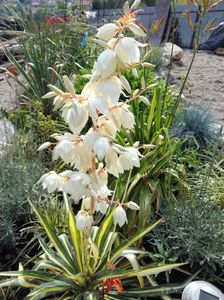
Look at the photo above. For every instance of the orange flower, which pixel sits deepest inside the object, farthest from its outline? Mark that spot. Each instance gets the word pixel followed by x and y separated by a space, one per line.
pixel 53 21
pixel 112 282
pixel 125 20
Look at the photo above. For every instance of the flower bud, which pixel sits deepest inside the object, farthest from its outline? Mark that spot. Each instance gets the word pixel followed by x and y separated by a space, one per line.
pixel 135 4
pixel 147 65
pixel 68 84
pixel 160 139
pixel 107 31
pixel 44 146
pixel 132 205
pixel 144 100
pixel 136 144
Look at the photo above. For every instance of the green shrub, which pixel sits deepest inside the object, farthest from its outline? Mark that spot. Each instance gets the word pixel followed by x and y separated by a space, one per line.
pixel 19 171
pixel 193 232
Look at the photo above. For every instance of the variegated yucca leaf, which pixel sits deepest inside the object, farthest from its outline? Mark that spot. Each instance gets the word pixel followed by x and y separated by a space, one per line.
pixel 73 267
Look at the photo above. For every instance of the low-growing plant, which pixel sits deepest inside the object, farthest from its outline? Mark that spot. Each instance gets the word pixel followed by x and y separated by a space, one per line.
pixel 196 125
pixel 32 117
pixel 193 232
pixel 206 180
pixel 19 171
pixel 157 58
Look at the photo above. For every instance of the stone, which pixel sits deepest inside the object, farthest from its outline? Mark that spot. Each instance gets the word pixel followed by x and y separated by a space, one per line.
pixel 7 132
pixel 219 51
pixel 178 53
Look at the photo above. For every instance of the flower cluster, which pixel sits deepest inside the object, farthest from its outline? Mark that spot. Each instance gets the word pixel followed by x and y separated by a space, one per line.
pixel 96 154
pixel 51 21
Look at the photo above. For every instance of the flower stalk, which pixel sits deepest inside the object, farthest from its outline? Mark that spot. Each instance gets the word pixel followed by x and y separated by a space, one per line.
pixel 95 154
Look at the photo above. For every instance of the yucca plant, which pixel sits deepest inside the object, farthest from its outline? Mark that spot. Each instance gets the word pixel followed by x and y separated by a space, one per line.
pixel 159 177
pixel 110 269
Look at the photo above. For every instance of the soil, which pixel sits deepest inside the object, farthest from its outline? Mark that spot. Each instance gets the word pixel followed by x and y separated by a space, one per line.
pixel 205 86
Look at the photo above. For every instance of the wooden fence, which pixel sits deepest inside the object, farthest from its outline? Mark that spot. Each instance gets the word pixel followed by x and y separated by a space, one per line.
pixel 185 35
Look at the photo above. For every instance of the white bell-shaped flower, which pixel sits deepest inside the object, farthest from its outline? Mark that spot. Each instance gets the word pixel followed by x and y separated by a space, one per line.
pixel 126 50
pixel 99 183
pixel 106 127
pixel 83 220
pixel 99 205
pixel 130 158
pixel 101 95
pixel 120 216
pixel 83 159
pixel 76 115
pixel 122 116
pixel 96 103
pixel 102 206
pixel 109 89
pixel 104 192
pixel 72 150
pixel 90 138
pixel 101 148
pixel 77 185
pixel 107 31
pixel 105 65
pixel 66 150
pixel 51 181
pixel 113 165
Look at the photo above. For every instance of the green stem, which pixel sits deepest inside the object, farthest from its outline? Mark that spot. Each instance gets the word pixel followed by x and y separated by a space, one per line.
pixel 171 55
pixel 197 39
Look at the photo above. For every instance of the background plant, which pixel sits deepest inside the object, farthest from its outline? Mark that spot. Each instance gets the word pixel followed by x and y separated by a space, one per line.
pixel 19 171
pixel 50 46
pixel 157 58
pixel 192 232
pixel 196 125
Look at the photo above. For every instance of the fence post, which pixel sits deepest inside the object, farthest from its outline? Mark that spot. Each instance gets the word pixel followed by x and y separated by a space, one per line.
pixel 162 9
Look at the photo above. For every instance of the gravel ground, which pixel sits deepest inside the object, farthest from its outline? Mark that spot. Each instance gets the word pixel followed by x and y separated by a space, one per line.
pixel 205 85
pixel 7 94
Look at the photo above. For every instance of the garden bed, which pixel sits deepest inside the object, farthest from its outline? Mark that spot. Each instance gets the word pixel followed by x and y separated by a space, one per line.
pixel 132 181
